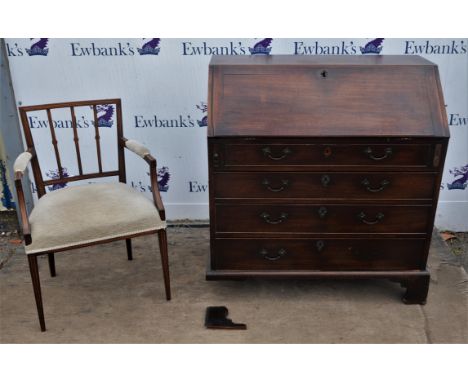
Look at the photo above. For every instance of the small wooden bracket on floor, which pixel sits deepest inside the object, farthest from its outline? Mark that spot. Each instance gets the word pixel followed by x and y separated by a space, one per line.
pixel 216 318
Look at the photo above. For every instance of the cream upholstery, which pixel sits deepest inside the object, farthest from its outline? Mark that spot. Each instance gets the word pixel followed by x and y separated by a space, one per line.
pixel 21 162
pixel 88 213
pixel 137 147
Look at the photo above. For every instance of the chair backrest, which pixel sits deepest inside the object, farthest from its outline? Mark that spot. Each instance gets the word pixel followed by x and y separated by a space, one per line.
pixel 97 106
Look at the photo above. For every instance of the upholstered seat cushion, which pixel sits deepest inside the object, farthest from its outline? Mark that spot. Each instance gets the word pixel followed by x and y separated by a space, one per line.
pixel 89 213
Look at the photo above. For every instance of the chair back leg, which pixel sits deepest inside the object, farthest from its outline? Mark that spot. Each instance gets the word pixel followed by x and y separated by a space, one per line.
pixel 164 261
pixel 128 242
pixel 52 264
pixel 34 269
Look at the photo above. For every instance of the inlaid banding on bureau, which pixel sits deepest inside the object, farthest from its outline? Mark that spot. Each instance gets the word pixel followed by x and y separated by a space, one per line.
pixel 318 254
pixel 321 218
pixel 324 186
pixel 244 155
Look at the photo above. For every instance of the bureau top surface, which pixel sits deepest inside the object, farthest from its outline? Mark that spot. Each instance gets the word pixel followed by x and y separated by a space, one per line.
pixel 325 96
pixel 319 60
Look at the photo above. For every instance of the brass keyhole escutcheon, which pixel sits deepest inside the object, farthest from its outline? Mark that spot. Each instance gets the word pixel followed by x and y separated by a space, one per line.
pixel 327 151
pixel 320 245
pixel 325 180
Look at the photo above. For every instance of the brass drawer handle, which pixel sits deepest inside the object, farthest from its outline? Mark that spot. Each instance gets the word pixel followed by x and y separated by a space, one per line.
pixel 281 252
pixel 267 152
pixel 378 218
pixel 383 184
pixel 284 185
pixel 266 216
pixel 387 153
pixel 325 180
pixel 322 212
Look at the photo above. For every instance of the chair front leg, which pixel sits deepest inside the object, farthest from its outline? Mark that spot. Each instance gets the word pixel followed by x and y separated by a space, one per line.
pixel 164 261
pixel 34 269
pixel 51 258
pixel 128 243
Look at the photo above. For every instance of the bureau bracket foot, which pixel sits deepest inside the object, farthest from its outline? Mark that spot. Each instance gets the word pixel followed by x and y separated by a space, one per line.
pixel 417 288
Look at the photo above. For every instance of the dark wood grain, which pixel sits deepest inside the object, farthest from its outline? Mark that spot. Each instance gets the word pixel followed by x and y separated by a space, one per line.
pixel 264 99
pixel 120 144
pixel 34 160
pixel 98 139
pixel 55 144
pixel 240 218
pixel 76 140
pixel 346 151
pixel 51 259
pixel 38 176
pixel 317 155
pixel 417 289
pixel 82 177
pixel 128 244
pixel 325 186
pixel 154 181
pixel 162 238
pixel 64 105
pixel 321 253
pixel 34 270
pixel 289 61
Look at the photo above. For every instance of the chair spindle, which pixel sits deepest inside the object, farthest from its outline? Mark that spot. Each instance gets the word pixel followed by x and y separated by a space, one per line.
pixel 76 139
pixel 54 142
pixel 98 144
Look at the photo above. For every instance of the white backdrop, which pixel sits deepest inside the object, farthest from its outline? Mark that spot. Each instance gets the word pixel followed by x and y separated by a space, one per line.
pixel 163 87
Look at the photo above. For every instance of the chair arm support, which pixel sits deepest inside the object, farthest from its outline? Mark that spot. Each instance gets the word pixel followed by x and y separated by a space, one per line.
pixel 19 167
pixel 143 152
pixel 155 186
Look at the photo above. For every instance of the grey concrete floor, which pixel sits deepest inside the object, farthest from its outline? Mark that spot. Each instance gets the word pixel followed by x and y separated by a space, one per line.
pixel 459 249
pixel 100 297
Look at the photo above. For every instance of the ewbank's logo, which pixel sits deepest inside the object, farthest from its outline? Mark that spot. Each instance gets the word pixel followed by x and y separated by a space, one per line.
pixel 101 49
pixel 204 108
pixel 39 48
pixel 163 179
pixel 82 123
pixel 262 47
pixel 150 47
pixel 461 182
pixel 455 119
pixel 436 47
pixel 232 48
pixel 104 115
pixel 55 174
pixel 318 47
pixel 372 47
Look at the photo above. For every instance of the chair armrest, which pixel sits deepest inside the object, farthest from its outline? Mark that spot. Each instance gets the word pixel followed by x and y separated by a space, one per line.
pixel 143 152
pixel 19 168
pixel 22 162
pixel 136 147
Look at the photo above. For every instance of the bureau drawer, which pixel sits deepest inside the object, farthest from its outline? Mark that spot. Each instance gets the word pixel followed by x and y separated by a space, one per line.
pixel 321 218
pixel 244 155
pixel 330 186
pixel 318 254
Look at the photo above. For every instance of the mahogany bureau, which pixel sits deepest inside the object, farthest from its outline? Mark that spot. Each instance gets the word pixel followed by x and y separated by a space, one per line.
pixel 324 166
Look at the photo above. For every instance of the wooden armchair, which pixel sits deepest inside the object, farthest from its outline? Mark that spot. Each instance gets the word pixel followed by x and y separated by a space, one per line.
pixel 82 215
